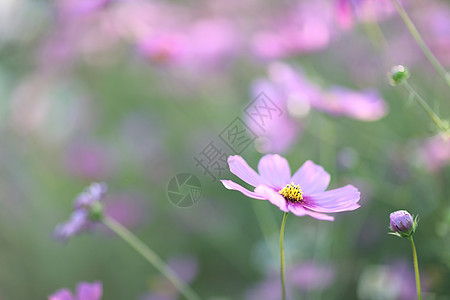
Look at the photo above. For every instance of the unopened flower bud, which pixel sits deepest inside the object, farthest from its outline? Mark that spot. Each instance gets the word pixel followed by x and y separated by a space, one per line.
pixel 402 223
pixel 398 75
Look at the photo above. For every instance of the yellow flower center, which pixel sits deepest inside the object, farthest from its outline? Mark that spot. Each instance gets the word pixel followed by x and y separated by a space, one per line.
pixel 292 192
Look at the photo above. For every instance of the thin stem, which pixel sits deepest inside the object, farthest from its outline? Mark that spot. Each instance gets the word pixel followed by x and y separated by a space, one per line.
pixel 283 286
pixel 150 256
pixel 439 123
pixel 416 268
pixel 419 40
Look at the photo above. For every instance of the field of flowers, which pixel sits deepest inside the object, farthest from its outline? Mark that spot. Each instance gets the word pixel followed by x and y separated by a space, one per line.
pixel 221 150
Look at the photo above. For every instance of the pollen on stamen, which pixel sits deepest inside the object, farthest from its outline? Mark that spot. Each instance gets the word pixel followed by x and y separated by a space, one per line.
pixel 292 192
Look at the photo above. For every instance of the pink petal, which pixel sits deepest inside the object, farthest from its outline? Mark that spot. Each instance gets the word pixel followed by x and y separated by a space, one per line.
pixel 63 294
pixel 234 186
pixel 271 195
pixel 241 169
pixel 337 200
pixel 298 210
pixel 312 178
pixel 89 291
pixel 275 170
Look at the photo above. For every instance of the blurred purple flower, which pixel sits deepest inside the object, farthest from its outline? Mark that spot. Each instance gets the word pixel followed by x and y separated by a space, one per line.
pixel 311 276
pixel 85 210
pixel 304 277
pixel 302 193
pixel 393 281
pixel 269 289
pixel 305 28
pixel 185 266
pixel 85 291
pixel 92 194
pixel 434 152
pixel 78 222
pixel 436 23
pixel 78 8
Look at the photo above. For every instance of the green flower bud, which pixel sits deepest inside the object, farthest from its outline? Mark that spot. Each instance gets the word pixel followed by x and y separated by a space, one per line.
pixel 398 75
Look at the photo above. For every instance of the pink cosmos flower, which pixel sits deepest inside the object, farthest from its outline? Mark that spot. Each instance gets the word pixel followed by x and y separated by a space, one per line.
pixel 85 291
pixel 302 193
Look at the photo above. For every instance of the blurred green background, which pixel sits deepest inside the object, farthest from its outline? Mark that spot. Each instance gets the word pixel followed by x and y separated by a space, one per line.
pixel 80 103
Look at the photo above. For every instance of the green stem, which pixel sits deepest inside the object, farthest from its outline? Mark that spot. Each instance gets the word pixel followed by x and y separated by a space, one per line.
pixel 283 286
pixel 150 256
pixel 419 40
pixel 439 123
pixel 416 268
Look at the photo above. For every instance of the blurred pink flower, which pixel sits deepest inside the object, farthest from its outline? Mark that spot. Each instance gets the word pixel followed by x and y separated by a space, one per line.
pixel 305 28
pixel 279 132
pixel 338 101
pixel 85 291
pixel 293 95
pixel 82 29
pixel 434 153
pixel 165 48
pixel 347 12
pixel 202 44
pixel 364 106
pixel 129 209
pixel 302 193
pixel 79 8
pixel 87 160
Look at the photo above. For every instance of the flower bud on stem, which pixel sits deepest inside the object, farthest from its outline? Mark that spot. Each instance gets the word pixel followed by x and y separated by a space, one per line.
pixel 404 225
pixel 399 76
pixel 419 40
